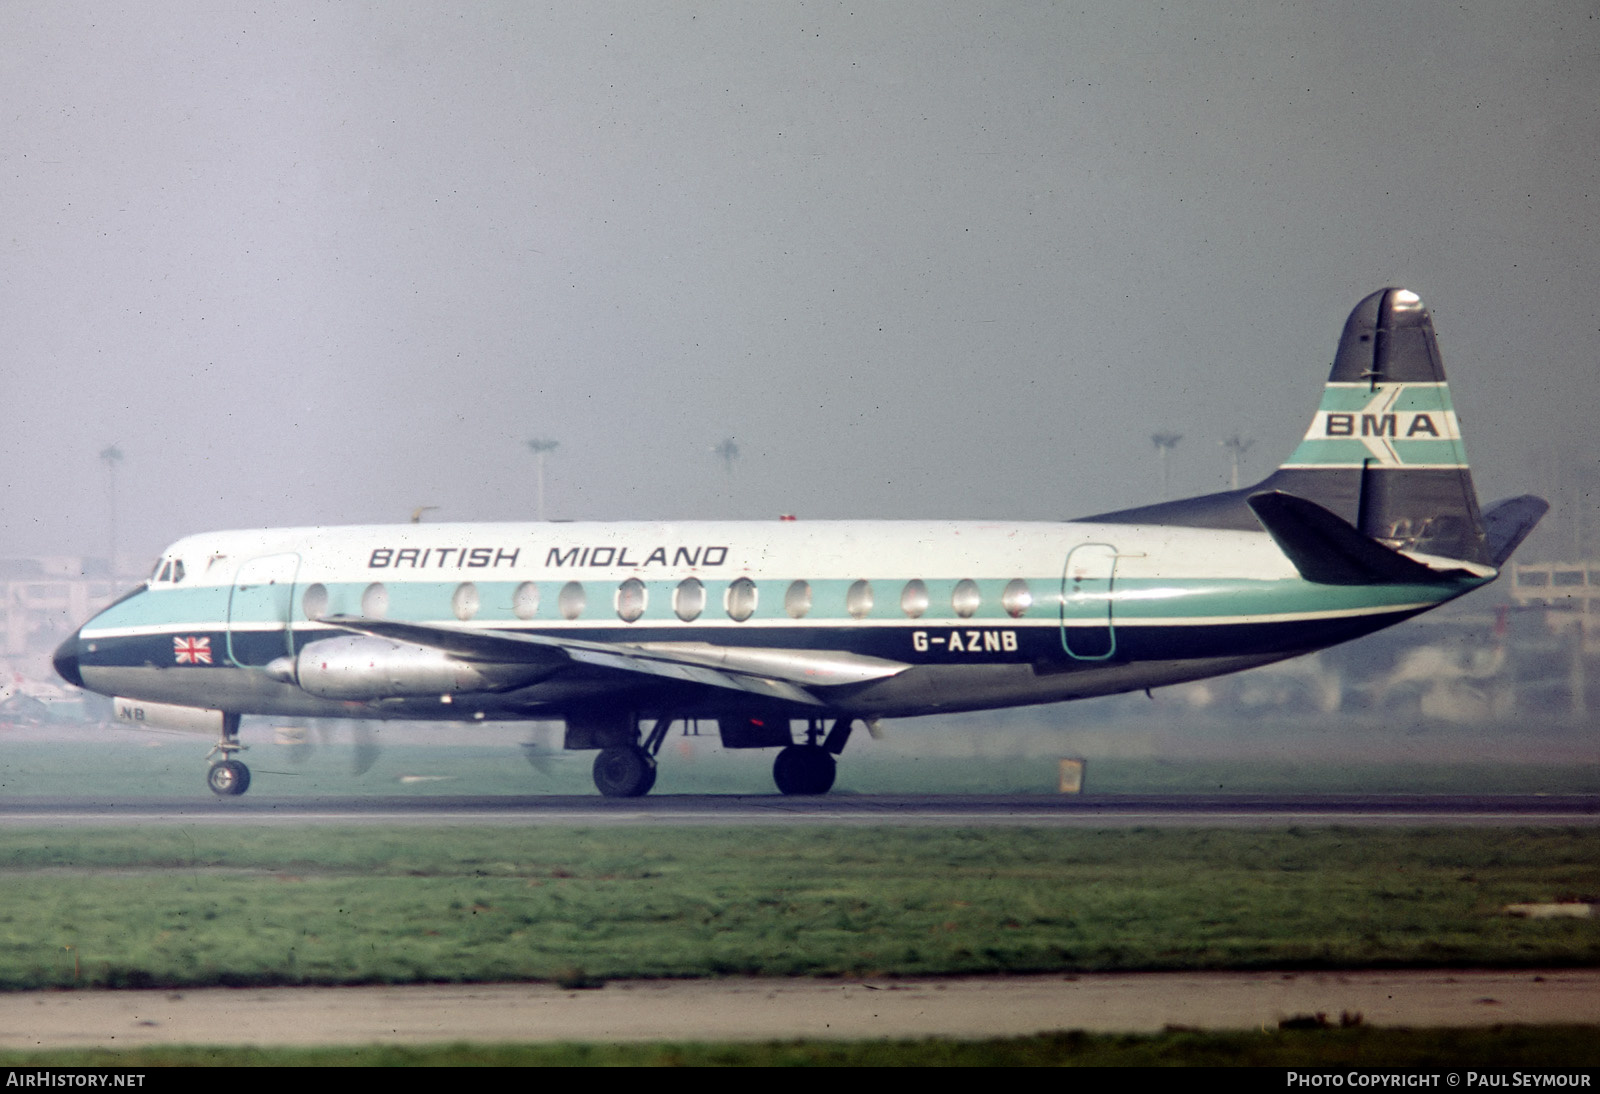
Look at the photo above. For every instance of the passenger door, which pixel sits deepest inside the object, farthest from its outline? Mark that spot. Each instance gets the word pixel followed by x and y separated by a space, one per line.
pixel 1088 581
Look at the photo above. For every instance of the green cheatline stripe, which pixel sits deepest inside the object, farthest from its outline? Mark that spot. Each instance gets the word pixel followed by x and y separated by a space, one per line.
pixel 1346 452
pixel 1412 397
pixel 1134 600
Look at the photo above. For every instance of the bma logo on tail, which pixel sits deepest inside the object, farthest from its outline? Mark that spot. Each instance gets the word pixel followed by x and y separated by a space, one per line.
pixel 1391 425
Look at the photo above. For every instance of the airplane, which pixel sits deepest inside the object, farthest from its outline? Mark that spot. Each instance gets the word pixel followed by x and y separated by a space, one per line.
pixel 619 630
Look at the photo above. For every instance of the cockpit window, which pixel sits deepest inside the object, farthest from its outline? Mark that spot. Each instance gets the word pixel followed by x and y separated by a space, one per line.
pixel 167 569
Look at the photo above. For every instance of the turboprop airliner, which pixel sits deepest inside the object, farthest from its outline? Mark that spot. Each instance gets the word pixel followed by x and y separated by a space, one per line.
pixel 789 633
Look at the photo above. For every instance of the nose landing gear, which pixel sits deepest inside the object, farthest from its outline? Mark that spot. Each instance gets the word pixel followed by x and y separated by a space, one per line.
pixel 228 778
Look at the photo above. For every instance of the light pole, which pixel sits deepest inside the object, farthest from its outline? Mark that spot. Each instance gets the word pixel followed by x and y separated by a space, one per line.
pixel 1165 443
pixel 1237 446
pixel 112 455
pixel 541 447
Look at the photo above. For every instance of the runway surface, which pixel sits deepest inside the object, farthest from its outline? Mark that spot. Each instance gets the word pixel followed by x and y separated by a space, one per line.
pixel 760 1010
pixel 1064 811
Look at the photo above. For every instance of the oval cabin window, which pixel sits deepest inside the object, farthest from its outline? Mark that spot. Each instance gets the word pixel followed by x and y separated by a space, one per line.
pixel 689 599
pixel 858 601
pixel 741 600
pixel 375 601
pixel 631 598
pixel 914 598
pixel 315 601
pixel 465 602
pixel 966 598
pixel 797 600
pixel 1017 598
pixel 525 601
pixel 572 600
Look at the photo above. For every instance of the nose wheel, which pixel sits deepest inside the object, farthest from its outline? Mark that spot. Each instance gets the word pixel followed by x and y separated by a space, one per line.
pixel 228 779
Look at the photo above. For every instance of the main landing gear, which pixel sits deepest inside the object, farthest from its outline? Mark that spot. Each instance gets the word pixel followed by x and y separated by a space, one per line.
pixel 228 778
pixel 629 771
pixel 804 770
pixel 809 769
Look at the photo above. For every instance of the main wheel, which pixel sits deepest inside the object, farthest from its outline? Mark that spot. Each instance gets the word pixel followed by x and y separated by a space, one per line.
pixel 624 772
pixel 228 779
pixel 804 769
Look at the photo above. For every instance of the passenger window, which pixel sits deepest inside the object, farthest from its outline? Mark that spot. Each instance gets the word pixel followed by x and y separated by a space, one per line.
pixel 525 601
pixel 375 601
pixel 797 600
pixel 631 599
pixel 914 598
pixel 465 602
pixel 315 601
pixel 858 601
pixel 966 598
pixel 571 602
pixel 689 599
pixel 1017 598
pixel 740 600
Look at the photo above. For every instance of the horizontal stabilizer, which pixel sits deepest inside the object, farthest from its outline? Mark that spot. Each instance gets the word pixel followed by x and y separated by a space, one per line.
pixel 1329 551
pixel 1507 524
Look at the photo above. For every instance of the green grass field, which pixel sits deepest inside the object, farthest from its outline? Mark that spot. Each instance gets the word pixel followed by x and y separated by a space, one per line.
pixel 191 907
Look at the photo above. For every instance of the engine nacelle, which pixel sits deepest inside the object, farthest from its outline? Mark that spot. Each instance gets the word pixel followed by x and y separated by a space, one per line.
pixel 360 667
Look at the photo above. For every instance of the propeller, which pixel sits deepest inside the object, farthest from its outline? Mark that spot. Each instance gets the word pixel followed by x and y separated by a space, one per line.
pixel 298 742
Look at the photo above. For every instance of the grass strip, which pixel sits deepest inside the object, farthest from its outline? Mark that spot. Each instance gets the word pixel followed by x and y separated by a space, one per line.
pixel 325 906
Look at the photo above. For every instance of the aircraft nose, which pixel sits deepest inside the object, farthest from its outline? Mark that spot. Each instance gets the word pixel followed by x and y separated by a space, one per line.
pixel 66 661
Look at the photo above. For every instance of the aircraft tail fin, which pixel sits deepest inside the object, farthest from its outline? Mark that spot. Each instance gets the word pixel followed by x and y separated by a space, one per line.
pixel 1386 426
pixel 1383 452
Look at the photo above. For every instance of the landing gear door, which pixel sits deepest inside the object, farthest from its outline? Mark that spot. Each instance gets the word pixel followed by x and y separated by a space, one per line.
pixel 1087 584
pixel 260 609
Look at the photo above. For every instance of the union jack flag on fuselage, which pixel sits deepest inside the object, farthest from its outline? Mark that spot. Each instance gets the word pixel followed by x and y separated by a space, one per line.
pixel 191 651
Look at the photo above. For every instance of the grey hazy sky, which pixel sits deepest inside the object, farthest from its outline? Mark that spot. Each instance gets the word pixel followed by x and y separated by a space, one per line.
pixel 323 263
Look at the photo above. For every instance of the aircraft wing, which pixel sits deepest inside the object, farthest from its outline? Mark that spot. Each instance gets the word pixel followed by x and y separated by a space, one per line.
pixel 774 673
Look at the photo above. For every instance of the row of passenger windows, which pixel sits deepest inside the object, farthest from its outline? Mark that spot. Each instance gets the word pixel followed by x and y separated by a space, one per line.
pixel 689 600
